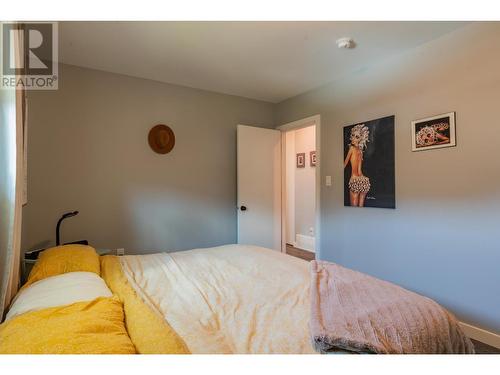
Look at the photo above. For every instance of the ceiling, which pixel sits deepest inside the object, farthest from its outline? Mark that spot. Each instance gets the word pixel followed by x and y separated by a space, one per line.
pixel 269 61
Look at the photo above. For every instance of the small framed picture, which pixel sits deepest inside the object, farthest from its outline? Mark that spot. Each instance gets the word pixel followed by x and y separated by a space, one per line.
pixel 433 132
pixel 312 158
pixel 301 160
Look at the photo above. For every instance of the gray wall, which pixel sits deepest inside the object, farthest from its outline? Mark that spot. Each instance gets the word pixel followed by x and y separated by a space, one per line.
pixel 88 151
pixel 442 239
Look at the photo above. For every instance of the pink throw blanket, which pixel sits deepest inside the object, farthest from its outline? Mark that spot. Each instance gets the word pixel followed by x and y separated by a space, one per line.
pixel 359 313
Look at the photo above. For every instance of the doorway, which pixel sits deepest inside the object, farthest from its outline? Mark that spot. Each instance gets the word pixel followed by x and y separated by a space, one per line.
pixel 264 215
pixel 300 187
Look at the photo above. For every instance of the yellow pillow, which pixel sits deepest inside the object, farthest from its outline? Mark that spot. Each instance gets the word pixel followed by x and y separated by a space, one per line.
pixel 63 259
pixel 92 327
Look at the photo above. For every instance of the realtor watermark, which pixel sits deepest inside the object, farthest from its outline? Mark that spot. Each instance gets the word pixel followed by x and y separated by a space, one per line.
pixel 29 56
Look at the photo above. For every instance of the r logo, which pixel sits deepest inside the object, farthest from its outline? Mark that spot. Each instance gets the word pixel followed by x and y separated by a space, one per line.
pixel 35 40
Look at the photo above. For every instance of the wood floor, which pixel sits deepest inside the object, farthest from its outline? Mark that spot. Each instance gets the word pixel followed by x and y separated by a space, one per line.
pixel 299 253
pixel 480 347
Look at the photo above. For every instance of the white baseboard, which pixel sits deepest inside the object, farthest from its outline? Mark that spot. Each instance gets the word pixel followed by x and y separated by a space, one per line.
pixel 479 334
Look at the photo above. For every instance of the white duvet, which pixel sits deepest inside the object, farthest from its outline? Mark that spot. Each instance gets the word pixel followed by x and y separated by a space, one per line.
pixel 228 299
pixel 59 290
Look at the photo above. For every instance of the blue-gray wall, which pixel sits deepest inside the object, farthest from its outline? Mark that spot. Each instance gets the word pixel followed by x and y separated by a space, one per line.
pixel 442 240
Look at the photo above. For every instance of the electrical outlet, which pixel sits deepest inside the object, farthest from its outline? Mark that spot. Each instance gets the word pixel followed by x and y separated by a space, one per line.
pixel 120 251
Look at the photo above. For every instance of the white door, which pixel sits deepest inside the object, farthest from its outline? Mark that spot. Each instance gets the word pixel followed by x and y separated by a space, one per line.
pixel 259 186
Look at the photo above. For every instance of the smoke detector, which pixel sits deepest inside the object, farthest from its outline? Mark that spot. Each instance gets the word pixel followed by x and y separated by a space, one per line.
pixel 345 43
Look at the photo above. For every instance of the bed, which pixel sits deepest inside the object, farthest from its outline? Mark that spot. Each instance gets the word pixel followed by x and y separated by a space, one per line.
pixel 227 299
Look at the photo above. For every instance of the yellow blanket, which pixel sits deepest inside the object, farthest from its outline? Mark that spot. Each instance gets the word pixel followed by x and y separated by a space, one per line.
pixel 94 327
pixel 149 332
pixel 228 299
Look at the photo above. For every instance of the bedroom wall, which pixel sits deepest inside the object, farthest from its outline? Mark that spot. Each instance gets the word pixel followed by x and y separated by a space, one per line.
pixel 88 151
pixel 300 184
pixel 290 186
pixel 305 183
pixel 441 240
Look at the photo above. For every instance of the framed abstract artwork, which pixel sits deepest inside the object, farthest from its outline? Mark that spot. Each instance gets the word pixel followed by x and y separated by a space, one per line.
pixel 369 173
pixel 433 132
pixel 312 158
pixel 301 160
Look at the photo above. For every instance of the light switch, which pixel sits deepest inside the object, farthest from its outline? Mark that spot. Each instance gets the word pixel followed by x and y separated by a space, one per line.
pixel 328 180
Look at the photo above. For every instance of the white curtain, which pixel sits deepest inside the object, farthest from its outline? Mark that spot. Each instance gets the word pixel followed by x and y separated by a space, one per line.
pixel 11 188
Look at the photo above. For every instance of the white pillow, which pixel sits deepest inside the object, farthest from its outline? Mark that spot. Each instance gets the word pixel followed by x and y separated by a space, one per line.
pixel 59 290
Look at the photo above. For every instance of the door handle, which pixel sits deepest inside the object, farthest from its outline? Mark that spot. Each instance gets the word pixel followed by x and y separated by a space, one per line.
pixel 243 208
